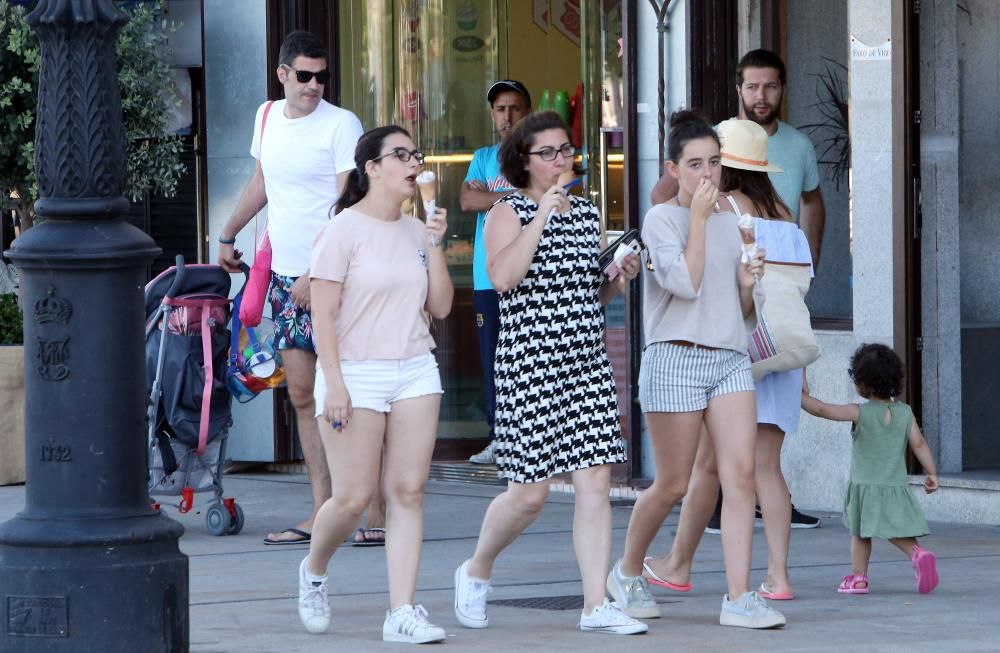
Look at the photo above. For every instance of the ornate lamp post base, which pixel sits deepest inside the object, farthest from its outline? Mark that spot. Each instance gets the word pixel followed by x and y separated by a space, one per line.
pixel 88 565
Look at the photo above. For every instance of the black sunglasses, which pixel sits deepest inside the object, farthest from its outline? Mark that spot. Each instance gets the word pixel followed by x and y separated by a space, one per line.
pixel 403 155
pixel 303 76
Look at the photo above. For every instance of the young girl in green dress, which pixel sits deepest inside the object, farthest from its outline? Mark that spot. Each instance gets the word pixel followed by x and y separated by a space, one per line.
pixel 879 502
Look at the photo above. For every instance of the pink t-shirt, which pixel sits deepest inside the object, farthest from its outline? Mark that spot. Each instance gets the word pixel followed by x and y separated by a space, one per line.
pixel 383 266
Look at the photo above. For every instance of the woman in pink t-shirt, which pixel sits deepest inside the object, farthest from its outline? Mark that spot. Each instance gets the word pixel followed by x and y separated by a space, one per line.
pixel 376 276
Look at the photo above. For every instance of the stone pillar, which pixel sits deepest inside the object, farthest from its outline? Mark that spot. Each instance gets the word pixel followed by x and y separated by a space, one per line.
pixel 869 24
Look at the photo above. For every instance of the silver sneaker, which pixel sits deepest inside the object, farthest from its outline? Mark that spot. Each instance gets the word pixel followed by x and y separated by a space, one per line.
pixel 632 594
pixel 408 624
pixel 470 598
pixel 487 456
pixel 608 618
pixel 314 606
pixel 749 611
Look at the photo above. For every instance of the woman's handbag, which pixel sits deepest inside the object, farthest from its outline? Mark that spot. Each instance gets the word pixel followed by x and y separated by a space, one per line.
pixel 255 294
pixel 783 339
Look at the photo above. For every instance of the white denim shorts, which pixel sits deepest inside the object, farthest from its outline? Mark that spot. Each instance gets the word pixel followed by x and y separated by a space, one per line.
pixel 377 384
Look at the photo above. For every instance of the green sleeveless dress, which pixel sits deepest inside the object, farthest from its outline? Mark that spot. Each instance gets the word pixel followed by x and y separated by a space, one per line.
pixel 879 502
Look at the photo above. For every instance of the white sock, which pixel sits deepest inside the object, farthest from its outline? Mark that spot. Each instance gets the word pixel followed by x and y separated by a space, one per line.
pixel 311 577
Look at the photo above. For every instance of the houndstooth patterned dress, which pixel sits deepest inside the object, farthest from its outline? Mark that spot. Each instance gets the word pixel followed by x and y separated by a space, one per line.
pixel 556 409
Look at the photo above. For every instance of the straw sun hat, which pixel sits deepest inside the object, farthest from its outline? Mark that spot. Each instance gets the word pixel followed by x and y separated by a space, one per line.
pixel 744 146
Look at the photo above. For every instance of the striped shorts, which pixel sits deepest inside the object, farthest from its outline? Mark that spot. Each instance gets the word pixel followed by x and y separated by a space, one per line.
pixel 680 379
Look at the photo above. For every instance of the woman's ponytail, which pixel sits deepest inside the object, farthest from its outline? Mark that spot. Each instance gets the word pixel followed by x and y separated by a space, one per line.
pixel 354 190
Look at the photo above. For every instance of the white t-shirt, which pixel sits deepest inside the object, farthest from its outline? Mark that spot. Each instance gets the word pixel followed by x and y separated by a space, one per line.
pixel 301 158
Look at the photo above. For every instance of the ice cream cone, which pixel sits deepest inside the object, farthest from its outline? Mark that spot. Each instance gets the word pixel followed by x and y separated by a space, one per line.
pixel 427 183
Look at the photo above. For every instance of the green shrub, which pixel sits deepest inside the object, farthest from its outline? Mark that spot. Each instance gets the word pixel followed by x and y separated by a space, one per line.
pixel 11 322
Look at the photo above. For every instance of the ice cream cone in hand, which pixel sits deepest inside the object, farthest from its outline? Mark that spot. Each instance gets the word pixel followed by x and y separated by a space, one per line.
pixel 427 183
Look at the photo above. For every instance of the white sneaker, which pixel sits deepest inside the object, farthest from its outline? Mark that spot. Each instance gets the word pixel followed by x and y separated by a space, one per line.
pixel 749 611
pixel 632 594
pixel 609 618
pixel 470 598
pixel 408 624
pixel 487 456
pixel 314 606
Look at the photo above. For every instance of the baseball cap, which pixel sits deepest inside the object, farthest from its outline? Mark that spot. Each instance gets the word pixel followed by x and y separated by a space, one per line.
pixel 507 85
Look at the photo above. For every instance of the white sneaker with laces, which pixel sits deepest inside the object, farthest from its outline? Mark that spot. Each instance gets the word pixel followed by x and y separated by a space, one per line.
pixel 632 594
pixel 749 611
pixel 470 598
pixel 408 624
pixel 487 456
pixel 314 606
pixel 608 618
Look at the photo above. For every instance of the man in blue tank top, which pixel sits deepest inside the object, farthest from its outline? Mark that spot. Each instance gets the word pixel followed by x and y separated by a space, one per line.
pixel 485 184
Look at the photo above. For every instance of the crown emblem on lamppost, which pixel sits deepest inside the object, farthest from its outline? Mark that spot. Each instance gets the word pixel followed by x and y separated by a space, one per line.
pixel 53 309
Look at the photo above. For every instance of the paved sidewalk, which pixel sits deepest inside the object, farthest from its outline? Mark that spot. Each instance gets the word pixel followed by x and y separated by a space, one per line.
pixel 243 593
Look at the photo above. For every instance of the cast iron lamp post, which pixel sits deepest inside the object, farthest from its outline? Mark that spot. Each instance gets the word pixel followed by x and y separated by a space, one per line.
pixel 87 565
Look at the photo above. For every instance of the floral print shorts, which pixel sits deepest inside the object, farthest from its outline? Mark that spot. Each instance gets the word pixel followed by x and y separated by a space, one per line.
pixel 292 325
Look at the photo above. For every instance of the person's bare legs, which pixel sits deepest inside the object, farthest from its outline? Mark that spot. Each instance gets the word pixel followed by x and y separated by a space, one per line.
pixel 904 544
pixel 592 531
pixel 374 517
pixel 674 437
pixel 354 455
pixel 409 444
pixel 300 375
pixel 732 426
pixel 506 517
pixel 775 506
pixel 861 553
pixel 696 511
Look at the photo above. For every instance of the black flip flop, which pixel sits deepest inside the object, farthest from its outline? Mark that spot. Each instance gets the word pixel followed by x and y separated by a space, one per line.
pixel 365 539
pixel 303 538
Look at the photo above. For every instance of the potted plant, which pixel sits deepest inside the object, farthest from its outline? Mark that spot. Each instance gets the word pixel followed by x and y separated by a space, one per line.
pixel 11 391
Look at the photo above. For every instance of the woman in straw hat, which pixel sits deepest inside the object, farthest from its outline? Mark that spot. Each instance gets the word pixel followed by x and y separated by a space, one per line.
pixel 749 193
pixel 698 306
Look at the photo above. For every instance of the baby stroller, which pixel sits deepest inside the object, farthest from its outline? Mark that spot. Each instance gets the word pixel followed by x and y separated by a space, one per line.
pixel 188 419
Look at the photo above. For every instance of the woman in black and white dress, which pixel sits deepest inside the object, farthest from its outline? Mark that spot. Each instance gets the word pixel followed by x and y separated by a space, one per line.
pixel 556 406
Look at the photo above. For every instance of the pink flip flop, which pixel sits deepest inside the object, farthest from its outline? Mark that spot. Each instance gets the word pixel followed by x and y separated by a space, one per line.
pixel 651 576
pixel 766 593
pixel 925 570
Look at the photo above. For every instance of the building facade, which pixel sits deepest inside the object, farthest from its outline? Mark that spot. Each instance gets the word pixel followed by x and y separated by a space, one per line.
pixel 892 93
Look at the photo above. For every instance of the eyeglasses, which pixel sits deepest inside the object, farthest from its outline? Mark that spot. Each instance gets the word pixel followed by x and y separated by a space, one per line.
pixel 549 153
pixel 403 155
pixel 304 76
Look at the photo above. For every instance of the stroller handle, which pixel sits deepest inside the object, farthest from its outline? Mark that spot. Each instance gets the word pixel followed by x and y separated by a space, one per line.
pixel 178 278
pixel 245 269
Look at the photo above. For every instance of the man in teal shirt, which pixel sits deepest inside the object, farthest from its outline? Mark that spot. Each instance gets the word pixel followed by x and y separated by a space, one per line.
pixel 484 185
pixel 760 85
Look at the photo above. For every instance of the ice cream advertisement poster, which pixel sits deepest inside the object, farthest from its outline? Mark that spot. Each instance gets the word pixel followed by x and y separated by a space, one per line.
pixel 564 15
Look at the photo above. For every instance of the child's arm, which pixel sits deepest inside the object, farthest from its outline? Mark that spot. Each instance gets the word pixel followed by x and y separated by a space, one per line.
pixel 835 412
pixel 918 445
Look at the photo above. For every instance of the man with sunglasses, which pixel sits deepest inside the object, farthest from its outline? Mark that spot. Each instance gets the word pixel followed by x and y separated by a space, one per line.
pixel 484 185
pixel 304 152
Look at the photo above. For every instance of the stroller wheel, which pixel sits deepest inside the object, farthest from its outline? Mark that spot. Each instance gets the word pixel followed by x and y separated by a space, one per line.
pixel 217 519
pixel 235 523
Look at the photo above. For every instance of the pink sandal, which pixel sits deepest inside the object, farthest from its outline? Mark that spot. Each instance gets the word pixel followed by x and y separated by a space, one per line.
pixel 653 579
pixel 854 584
pixel 766 593
pixel 925 570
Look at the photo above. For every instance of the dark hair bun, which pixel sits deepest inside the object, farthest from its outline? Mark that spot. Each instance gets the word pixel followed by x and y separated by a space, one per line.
pixel 683 117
